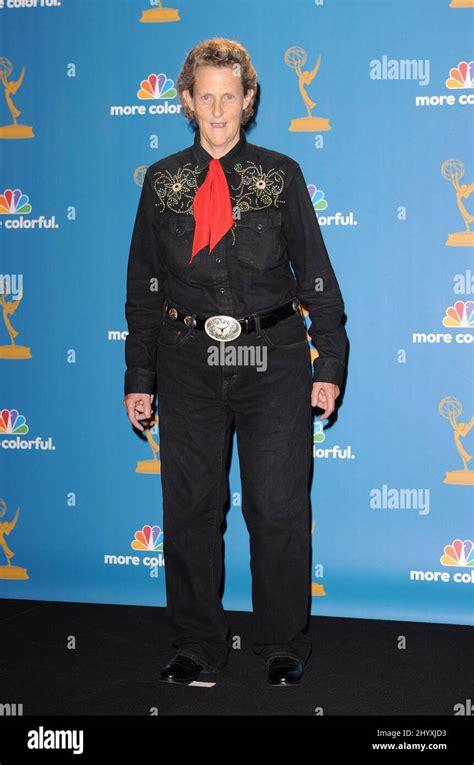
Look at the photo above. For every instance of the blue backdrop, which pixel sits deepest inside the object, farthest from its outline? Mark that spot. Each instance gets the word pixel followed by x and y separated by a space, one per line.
pixel 388 155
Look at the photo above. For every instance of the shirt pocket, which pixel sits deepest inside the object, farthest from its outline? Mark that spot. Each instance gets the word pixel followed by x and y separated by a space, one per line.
pixel 259 239
pixel 176 234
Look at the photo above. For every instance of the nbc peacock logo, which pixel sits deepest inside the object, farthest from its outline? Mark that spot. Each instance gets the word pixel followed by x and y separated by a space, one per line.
pixel 15 202
pixel 14 425
pixel 458 316
pixel 459 553
pixel 461 77
pixel 320 204
pixel 11 421
pixel 318 433
pixel 157 94
pixel 458 82
pixel 461 314
pixel 320 452
pixel 148 538
pixel 317 197
pixel 156 86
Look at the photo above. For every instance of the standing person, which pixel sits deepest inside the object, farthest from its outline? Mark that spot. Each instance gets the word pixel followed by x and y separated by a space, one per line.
pixel 226 243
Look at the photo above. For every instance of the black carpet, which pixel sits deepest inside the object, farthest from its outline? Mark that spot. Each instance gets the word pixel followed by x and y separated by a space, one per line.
pixel 89 659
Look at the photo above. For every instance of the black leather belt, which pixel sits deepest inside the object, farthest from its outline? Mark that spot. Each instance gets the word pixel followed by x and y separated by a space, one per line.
pixel 247 323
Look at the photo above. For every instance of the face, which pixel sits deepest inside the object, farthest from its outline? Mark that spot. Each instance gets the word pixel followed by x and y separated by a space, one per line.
pixel 218 103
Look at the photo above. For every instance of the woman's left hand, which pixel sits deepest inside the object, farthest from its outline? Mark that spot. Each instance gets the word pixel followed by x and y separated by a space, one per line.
pixel 324 395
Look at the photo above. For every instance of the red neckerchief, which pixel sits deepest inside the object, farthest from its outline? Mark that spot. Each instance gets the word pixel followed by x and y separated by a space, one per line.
pixel 212 208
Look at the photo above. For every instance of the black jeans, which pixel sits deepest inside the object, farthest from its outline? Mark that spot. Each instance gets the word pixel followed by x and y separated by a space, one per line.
pixel 269 399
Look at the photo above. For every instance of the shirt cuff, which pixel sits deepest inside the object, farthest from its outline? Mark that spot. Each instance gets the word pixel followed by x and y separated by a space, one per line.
pixel 139 380
pixel 328 370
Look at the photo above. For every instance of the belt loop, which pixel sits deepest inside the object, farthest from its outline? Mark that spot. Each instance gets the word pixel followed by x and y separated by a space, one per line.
pixel 165 306
pixel 257 324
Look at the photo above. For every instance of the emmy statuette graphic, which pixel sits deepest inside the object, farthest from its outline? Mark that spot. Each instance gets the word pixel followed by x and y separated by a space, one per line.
pixel 6 527
pixel 152 466
pixel 452 171
pixel 295 58
pixel 159 14
pixel 461 4
pixel 451 409
pixel 12 351
pixel 14 130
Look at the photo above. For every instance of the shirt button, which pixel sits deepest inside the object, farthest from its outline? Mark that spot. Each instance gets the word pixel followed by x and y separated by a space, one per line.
pixel 259 226
pixel 218 260
pixel 222 289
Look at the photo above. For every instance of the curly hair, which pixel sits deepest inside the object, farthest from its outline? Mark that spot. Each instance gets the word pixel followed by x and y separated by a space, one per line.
pixel 218 51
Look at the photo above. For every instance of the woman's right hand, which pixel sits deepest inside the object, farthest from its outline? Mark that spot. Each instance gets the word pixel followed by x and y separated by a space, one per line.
pixel 138 406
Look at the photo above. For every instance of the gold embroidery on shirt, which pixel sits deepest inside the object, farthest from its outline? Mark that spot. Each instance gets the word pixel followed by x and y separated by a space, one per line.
pixel 176 191
pixel 257 189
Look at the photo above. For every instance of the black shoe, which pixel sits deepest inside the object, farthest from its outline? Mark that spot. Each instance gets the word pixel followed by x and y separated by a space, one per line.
pixel 181 669
pixel 284 670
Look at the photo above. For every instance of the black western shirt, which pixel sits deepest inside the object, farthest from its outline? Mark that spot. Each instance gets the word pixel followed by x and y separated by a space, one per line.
pixel 274 252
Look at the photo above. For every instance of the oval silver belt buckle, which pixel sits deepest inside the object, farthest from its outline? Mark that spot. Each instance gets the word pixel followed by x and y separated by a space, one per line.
pixel 221 327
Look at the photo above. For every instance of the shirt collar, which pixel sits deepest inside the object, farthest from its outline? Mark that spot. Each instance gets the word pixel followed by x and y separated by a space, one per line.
pixel 203 157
